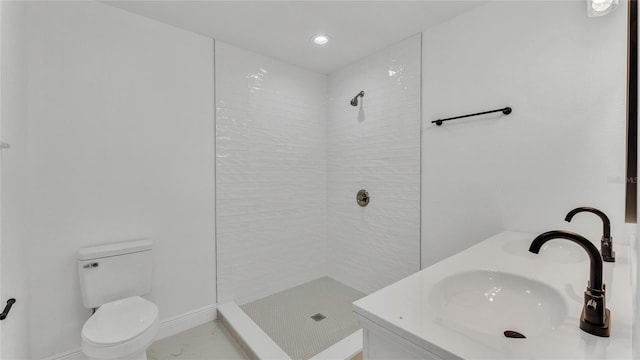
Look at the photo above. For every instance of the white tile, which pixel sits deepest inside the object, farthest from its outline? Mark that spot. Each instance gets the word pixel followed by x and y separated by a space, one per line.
pixel 271 174
pixel 375 146
pixel 286 316
pixel 205 342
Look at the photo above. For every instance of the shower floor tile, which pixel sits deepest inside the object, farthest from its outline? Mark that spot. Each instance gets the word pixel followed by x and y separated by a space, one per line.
pixel 287 316
pixel 209 341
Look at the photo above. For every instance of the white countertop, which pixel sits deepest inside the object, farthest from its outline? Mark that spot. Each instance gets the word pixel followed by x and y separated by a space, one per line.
pixel 404 308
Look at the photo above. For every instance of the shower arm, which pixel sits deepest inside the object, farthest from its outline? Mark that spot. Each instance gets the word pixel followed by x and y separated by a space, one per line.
pixel 354 101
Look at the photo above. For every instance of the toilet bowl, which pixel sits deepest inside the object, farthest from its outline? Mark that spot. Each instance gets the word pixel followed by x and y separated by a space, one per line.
pixel 120 330
pixel 112 279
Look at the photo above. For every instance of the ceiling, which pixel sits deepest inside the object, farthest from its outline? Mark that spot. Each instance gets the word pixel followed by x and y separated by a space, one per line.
pixel 282 29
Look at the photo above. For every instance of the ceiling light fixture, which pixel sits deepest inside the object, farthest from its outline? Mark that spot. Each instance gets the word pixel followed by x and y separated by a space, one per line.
pixel 320 39
pixel 597 8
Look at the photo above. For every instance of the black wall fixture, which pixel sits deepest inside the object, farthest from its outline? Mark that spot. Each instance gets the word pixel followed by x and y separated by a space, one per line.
pixel 505 111
pixel 7 308
pixel 632 115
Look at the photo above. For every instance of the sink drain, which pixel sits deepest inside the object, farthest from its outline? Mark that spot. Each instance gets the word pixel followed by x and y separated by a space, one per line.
pixel 514 334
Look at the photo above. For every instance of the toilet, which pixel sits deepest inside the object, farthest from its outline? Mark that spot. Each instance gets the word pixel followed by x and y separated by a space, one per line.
pixel 112 279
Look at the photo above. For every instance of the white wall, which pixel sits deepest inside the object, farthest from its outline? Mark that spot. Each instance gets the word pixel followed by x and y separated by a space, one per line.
pixel 564 75
pixel 14 340
pixel 375 146
pixel 271 174
pixel 634 254
pixel 121 146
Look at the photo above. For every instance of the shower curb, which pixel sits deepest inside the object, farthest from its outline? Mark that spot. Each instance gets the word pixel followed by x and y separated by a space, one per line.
pixel 253 340
pixel 259 346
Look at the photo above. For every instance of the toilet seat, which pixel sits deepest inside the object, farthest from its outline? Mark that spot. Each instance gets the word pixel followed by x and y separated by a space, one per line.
pixel 119 328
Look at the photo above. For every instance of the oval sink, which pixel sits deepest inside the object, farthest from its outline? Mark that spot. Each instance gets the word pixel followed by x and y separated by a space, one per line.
pixel 492 302
pixel 557 252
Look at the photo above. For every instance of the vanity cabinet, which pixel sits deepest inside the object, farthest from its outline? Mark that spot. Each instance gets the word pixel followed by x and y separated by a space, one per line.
pixel 465 306
pixel 379 343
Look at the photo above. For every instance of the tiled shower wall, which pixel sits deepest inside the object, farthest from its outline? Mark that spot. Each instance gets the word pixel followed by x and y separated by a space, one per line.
pixel 271 179
pixel 288 172
pixel 375 146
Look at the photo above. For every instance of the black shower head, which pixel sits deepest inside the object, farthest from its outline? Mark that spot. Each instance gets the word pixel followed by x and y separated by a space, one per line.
pixel 354 101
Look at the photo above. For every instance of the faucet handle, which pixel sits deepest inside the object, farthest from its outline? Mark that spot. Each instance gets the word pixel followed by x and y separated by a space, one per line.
pixel 606 248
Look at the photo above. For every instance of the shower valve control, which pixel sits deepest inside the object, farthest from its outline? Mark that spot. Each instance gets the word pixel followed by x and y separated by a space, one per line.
pixel 363 198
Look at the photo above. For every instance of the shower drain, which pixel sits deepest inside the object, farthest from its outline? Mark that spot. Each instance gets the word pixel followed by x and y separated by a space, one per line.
pixel 318 317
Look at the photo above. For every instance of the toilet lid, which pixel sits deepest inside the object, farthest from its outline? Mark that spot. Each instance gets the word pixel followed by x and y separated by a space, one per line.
pixel 120 321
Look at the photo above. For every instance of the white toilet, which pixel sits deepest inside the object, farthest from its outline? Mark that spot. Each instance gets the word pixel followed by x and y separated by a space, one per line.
pixel 112 278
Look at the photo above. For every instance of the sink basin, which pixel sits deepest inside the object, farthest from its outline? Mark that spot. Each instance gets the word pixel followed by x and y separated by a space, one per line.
pixel 557 252
pixel 491 302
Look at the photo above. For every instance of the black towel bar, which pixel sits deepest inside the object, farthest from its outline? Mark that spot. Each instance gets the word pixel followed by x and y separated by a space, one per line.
pixel 505 111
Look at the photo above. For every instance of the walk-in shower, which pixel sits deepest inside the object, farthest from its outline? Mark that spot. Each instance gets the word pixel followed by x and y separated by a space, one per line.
pixel 294 249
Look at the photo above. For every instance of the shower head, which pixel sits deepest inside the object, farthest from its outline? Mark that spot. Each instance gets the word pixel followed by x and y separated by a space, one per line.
pixel 354 101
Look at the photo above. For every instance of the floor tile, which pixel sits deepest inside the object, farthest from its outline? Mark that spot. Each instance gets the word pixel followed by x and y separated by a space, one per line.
pixel 288 316
pixel 209 341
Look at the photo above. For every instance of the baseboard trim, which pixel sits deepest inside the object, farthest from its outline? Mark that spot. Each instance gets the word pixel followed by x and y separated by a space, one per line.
pixel 186 321
pixel 75 354
pixel 168 327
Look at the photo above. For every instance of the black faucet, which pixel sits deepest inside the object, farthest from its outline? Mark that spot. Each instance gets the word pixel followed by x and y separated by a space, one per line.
pixel 595 316
pixel 606 242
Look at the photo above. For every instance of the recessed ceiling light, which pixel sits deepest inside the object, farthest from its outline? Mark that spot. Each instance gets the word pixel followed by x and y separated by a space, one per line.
pixel 320 39
pixel 600 7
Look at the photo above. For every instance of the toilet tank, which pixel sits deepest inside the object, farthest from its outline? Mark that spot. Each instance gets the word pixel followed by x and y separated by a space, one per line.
pixel 115 271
